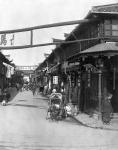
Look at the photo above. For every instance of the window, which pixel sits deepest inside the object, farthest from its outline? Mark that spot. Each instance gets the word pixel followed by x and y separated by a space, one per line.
pixel 114 24
pixel 107 32
pixel 111 27
pixel 114 27
pixel 115 33
pixel 107 27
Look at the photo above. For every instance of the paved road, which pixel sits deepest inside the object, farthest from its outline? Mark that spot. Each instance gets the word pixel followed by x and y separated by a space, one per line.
pixel 23 127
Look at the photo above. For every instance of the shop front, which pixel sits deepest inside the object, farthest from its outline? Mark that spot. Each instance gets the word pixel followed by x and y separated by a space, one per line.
pixel 99 77
pixel 89 89
pixel 71 81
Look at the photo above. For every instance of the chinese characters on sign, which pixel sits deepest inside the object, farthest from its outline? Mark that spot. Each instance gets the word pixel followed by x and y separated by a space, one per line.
pixel 12 39
pixel 4 39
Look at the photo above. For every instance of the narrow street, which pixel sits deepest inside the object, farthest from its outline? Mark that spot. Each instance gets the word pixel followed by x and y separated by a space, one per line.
pixel 23 126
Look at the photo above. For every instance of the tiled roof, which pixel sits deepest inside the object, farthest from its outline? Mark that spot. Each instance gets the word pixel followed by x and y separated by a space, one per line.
pixel 102 48
pixel 106 8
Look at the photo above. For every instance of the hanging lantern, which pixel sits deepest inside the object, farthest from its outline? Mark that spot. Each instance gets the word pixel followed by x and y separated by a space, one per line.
pixel 99 63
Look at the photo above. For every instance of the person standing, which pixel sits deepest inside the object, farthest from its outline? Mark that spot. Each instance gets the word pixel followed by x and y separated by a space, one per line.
pixel 7 94
pixel 34 89
pixel 107 108
pixel 0 94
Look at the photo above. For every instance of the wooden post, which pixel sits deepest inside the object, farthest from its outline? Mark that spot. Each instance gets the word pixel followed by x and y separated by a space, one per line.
pixel 100 91
pixel 114 77
pixel 31 38
pixel 69 77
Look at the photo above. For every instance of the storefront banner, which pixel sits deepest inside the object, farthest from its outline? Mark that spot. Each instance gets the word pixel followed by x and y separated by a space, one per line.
pixel 10 70
pixel 55 79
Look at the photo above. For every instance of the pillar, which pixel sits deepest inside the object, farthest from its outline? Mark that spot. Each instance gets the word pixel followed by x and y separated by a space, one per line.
pixel 100 91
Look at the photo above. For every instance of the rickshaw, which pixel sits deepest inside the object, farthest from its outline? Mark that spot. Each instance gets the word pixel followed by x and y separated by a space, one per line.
pixel 55 106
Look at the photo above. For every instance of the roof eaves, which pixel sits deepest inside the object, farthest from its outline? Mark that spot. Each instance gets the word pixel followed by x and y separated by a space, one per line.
pixel 102 6
pixel 4 59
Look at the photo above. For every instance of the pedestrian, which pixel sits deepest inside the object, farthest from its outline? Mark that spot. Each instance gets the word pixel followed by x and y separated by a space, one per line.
pixel 45 89
pixel 34 89
pixel 17 86
pixel 7 94
pixel 107 109
pixel 0 94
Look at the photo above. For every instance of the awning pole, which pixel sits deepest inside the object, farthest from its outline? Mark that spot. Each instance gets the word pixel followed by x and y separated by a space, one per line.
pixel 114 77
pixel 100 91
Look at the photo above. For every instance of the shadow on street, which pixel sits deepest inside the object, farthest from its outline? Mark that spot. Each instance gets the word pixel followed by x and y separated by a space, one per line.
pixel 13 92
pixel 22 100
pixel 26 105
pixel 42 98
pixel 71 121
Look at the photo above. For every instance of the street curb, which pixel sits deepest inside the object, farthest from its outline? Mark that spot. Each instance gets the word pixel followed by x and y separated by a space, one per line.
pixel 84 124
pixel 102 128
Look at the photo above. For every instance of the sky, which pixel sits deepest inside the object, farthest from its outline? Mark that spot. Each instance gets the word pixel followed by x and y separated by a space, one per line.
pixel 17 14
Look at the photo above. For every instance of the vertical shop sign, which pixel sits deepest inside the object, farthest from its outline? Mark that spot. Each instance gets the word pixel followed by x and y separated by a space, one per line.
pixel 55 79
pixel 89 78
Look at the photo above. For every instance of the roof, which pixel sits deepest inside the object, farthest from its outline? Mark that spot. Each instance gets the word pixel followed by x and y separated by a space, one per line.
pixel 111 9
pixel 93 15
pixel 106 8
pixel 4 59
pixel 102 48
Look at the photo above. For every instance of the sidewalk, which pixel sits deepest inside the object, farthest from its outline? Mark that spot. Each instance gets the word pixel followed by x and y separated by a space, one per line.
pixel 93 122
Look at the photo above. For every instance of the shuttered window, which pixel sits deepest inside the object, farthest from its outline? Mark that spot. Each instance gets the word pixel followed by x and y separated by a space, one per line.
pixel 111 27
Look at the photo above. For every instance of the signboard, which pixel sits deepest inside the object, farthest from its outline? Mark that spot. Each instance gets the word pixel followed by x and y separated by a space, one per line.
pixel 55 79
pixel 10 70
pixel 91 68
pixel 14 39
pixel 6 39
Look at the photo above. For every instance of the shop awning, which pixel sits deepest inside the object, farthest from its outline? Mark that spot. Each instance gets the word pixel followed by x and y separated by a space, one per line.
pixel 108 49
pixel 53 69
pixel 4 59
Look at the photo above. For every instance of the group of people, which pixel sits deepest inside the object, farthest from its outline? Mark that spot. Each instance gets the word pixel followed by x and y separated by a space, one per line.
pixel 106 106
pixel 36 89
pixel 57 102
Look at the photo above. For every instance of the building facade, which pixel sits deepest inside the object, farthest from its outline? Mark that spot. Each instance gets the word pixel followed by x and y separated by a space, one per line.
pixel 87 66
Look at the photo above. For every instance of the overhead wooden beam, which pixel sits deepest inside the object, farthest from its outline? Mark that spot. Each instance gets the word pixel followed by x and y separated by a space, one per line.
pixel 45 26
pixel 46 44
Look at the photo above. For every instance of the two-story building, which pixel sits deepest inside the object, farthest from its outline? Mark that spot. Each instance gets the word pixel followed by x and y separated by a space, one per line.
pixel 87 65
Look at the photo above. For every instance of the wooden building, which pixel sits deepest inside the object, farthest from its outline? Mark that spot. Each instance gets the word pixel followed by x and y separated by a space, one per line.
pixel 3 70
pixel 88 63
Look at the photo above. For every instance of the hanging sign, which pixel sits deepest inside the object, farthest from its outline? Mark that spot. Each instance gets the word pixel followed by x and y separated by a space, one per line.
pixel 55 79
pixel 91 68
pixel 6 39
